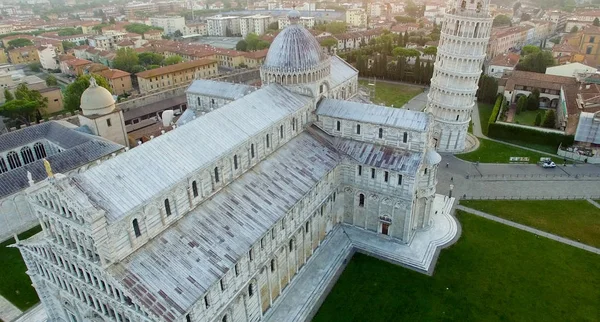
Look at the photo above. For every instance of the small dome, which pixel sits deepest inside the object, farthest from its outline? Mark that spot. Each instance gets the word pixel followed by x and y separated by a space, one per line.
pixel 432 157
pixel 96 100
pixel 294 49
pixel 294 15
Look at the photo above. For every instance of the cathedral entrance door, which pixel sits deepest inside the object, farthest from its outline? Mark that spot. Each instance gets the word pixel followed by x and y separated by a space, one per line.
pixel 385 228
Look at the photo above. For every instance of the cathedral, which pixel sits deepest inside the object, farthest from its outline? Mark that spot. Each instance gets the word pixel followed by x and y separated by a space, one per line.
pixel 221 218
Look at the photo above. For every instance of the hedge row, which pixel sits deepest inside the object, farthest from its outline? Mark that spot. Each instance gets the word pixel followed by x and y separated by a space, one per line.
pixel 506 132
pixel 496 110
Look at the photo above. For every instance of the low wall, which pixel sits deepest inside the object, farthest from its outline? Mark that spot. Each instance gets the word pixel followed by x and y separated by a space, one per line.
pixel 578 157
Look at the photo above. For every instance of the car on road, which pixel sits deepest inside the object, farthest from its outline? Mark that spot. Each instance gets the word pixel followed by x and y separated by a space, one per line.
pixel 549 165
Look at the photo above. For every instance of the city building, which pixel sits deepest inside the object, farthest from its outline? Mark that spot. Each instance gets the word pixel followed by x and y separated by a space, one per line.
pixel 119 81
pixel 135 9
pixel 75 67
pixel 588 42
pixel 571 70
pixel 23 151
pixel 169 24
pixel 55 99
pixel 505 39
pixel 460 56
pixel 356 18
pixel 212 221
pixel 223 26
pixel 307 22
pixel 165 77
pixel 23 55
pixel 502 63
pixel 6 29
pixel 3 57
pixel 196 29
pixel 48 57
pixel 255 24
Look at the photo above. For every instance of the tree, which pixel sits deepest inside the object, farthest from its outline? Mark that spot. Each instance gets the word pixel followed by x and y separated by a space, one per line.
pixel 537 62
pixel 521 104
pixel 525 17
pixel 533 102
pixel 150 58
pixel 574 29
pixel 70 32
pixel 177 34
pixel 430 51
pixel 329 43
pixel 19 110
pixel 413 10
pixel 51 81
pixel 8 96
pixel 68 45
pixel 405 19
pixel 241 45
pixel 125 59
pixel 530 49
pixel 538 119
pixel 488 89
pixel 140 28
pixel 596 22
pixel 549 119
pixel 274 25
pixel 111 20
pixel 35 67
pixel 172 60
pixel 19 42
pixel 336 27
pixel 72 97
pixel 502 20
pixel 22 92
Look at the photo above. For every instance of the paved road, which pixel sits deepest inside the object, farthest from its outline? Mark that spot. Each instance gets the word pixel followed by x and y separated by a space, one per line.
pixel 531 230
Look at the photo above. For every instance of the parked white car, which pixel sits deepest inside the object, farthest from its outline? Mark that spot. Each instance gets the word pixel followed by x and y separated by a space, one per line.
pixel 549 164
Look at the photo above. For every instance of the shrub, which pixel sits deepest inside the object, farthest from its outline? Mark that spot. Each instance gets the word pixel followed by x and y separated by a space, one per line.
pixel 529 135
pixel 549 119
pixel 496 109
pixel 538 119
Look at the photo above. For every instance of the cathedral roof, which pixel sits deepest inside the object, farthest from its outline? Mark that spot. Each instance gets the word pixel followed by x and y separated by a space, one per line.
pixel 210 239
pixel 375 114
pixel 230 91
pixel 168 159
pixel 341 72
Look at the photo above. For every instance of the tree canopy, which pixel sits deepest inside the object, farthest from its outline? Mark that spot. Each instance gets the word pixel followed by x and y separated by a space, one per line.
pixel 8 96
pixel 574 29
pixel 549 119
pixel 140 28
pixel 150 58
pixel 405 19
pixel 335 27
pixel 172 60
pixel 19 42
pixel 68 45
pixel 537 62
pixel 70 31
pixel 19 110
pixel 241 45
pixel 414 10
pixel 72 97
pixel 502 20
pixel 51 81
pixel 125 59
pixel 530 49
pixel 253 43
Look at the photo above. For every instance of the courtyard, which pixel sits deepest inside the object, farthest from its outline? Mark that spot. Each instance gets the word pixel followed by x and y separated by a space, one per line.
pixel 493 273
pixel 495 152
pixel 392 94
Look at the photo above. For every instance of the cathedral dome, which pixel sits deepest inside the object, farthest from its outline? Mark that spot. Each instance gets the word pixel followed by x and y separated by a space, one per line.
pixel 96 100
pixel 432 157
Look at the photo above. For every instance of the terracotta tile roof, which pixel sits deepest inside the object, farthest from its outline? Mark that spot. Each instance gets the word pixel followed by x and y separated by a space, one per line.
pixel 126 42
pixel 175 68
pixel 507 60
pixel 22 49
pixel 114 73
pixel 565 48
pixel 78 62
pixel 66 57
pixel 537 80
pixel 257 54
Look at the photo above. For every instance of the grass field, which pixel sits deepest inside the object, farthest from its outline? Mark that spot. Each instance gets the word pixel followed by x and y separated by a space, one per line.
pixel 15 284
pixel 526 118
pixel 578 220
pixel 494 273
pixel 485 111
pixel 393 94
pixel 495 152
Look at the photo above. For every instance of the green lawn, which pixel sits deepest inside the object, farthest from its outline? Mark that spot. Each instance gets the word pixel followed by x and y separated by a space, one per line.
pixel 494 152
pixel 494 273
pixel 574 219
pixel 539 147
pixel 526 118
pixel 15 285
pixel 485 111
pixel 393 94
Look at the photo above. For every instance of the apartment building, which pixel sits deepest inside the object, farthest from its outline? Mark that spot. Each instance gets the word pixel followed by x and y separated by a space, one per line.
pixel 195 29
pixel 107 41
pixel 307 22
pixel 169 24
pixel 587 41
pixel 135 8
pixel 178 74
pixel 223 26
pixel 119 81
pixel 505 39
pixel 23 55
pixel 255 24
pixel 356 17
pixel 48 57
pixel 6 29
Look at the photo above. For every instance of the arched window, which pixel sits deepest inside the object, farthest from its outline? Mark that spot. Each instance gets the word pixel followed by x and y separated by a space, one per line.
pixel 357 128
pixel 291 245
pixel 281 131
pixel 136 228
pixel 293 124
pixel 457 116
pixel 380 133
pixel 272 265
pixel 167 207
pixel 27 155
pixel 361 200
pixel 3 167
pixel 252 150
pixel 224 318
pixel 268 142
pixel 40 150
pixel 199 102
pixel 216 174
pixel 425 172
pixel 13 160
pixel 338 126
pixel 405 137
pixel 250 290
pixel 194 189
pixel 235 162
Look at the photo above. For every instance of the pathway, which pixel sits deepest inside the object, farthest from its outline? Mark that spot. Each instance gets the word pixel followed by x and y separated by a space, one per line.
pixel 35 314
pixel 531 230
pixel 594 203
pixel 510 116
pixel 8 311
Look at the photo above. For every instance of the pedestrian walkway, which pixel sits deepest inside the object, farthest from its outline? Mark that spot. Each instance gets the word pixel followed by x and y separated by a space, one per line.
pixel 594 203
pixel 35 314
pixel 8 311
pixel 531 230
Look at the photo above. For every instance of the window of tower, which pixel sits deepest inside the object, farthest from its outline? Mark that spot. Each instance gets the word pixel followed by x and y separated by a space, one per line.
pixel 457 116
pixel 361 200
pixel 136 228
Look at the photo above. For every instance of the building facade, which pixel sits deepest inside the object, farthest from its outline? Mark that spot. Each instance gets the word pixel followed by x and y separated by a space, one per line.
pixel 460 56
pixel 223 26
pixel 170 24
pixel 255 24
pixel 216 226
pixel 356 17
pixel 164 77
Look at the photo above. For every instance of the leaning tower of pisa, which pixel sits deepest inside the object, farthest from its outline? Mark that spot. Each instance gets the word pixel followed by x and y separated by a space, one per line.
pixel 464 38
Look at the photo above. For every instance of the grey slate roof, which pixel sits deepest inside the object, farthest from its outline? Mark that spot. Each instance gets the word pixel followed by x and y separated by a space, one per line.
pixel 294 49
pixel 224 90
pixel 79 149
pixel 341 71
pixel 175 269
pixel 375 114
pixel 122 183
